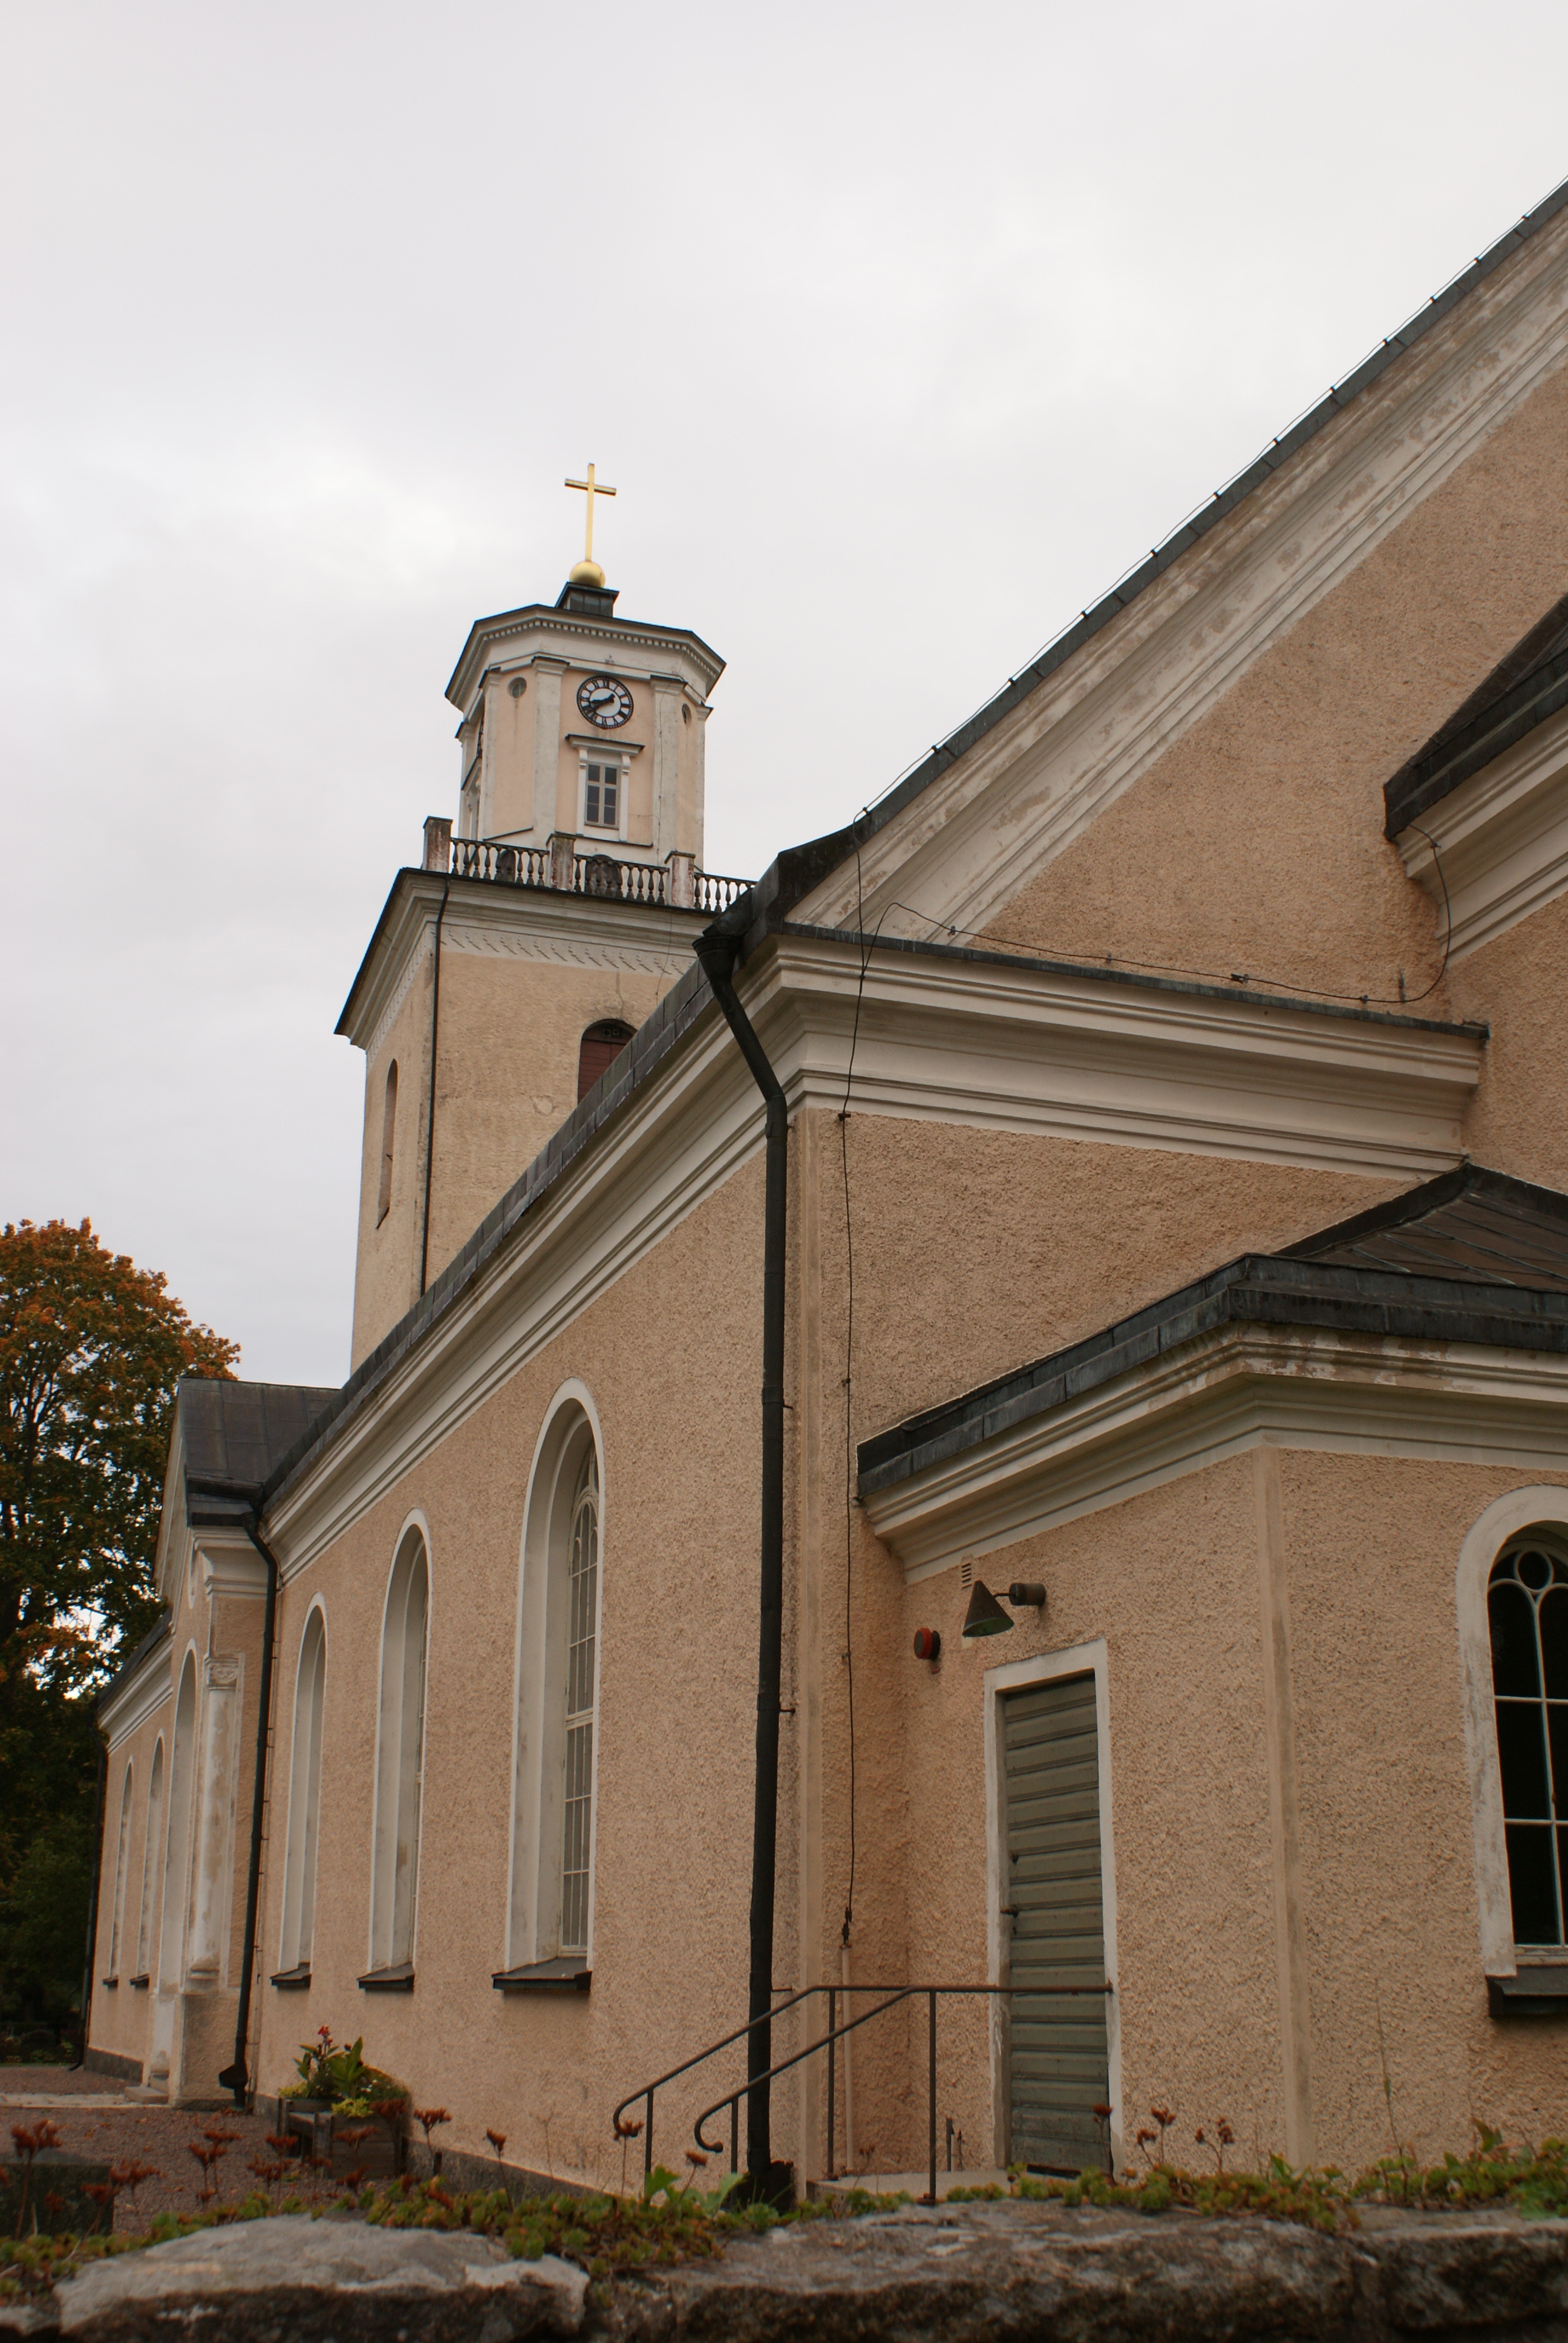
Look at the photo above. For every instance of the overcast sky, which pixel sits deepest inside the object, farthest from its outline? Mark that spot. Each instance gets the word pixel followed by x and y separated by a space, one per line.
pixel 901 332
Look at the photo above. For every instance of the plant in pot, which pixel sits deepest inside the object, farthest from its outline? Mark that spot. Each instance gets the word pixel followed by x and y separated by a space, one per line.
pixel 336 2081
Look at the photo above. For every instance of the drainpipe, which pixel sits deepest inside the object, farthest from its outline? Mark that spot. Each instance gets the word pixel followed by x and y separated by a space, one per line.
pixel 431 1111
pixel 234 2078
pixel 93 1908
pixel 717 953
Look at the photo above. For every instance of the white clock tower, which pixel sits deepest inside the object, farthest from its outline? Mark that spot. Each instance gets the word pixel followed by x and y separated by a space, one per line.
pixel 509 968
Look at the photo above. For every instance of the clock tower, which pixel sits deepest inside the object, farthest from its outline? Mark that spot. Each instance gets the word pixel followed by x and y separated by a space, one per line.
pixel 540 929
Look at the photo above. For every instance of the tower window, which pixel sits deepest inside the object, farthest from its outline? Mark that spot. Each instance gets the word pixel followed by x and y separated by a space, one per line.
pixel 388 1124
pixel 600 1046
pixel 601 797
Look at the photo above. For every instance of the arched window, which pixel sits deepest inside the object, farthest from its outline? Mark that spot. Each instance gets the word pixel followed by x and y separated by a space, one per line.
pixel 388 1127
pixel 577 1723
pixel 399 1752
pixel 1527 1607
pixel 304 1797
pixel 117 1924
pixel 600 1046
pixel 150 1853
pixel 551 1912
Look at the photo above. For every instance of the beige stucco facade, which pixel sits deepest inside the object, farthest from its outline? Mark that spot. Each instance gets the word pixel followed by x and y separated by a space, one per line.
pixel 1211 1010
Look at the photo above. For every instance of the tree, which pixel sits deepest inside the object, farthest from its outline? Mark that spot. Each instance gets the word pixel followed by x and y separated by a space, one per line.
pixel 91 1349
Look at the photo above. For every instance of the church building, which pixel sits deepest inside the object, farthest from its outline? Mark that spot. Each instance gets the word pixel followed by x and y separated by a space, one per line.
pixel 983 1413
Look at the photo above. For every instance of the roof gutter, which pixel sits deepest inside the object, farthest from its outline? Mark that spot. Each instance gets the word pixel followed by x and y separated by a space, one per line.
pixel 717 952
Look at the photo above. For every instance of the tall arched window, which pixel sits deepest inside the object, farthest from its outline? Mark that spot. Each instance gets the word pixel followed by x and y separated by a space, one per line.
pixel 600 1046
pixel 399 1752
pixel 551 1914
pixel 576 1723
pixel 1527 1604
pixel 388 1131
pixel 304 1797
pixel 117 1924
pixel 150 1853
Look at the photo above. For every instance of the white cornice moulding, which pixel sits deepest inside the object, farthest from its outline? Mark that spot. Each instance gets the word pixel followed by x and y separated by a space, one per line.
pixel 230 1566
pixel 1501 839
pixel 574 640
pixel 152 1685
pixel 522 922
pixel 1043 773
pixel 1355 1395
pixel 940 1040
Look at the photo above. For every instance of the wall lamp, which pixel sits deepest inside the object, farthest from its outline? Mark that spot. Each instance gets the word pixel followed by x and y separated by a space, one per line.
pixel 985 1615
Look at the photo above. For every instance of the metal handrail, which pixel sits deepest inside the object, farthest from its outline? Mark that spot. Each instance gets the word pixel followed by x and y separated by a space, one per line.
pixel 835 2034
pixel 699 2059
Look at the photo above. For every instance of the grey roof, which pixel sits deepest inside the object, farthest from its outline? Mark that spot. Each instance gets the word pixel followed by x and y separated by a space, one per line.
pixel 1471 1257
pixel 233 1434
pixel 1521 692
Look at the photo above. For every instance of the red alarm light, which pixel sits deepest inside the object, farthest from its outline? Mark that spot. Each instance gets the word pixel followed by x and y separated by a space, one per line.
pixel 927 1644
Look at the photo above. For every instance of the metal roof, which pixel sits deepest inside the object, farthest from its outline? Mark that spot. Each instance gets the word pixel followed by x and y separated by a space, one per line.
pixel 1521 692
pixel 1470 1257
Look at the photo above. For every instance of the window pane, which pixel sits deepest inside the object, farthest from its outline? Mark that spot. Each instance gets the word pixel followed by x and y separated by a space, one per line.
pixel 1557 1735
pixel 590 807
pixel 610 816
pixel 1522 1750
pixel 1554 1641
pixel 1532 1886
pixel 1514 1664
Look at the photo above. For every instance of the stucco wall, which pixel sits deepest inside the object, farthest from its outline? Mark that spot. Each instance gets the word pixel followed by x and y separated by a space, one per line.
pixel 664 1356
pixel 1519 985
pixel 1255 843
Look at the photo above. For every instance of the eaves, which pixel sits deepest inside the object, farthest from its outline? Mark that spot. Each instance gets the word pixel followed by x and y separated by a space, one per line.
pixel 544 619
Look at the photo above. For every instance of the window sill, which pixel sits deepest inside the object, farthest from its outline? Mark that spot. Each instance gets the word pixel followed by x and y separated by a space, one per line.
pixel 295 1976
pixel 1537 1991
pixel 569 1975
pixel 140 1985
pixel 398 1980
pixel 110 1982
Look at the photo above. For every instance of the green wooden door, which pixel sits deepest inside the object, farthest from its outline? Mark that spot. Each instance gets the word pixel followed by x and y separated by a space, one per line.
pixel 1058 2071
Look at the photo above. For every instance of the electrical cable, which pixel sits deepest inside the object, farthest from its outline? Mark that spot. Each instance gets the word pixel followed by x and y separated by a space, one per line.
pixel 1168 968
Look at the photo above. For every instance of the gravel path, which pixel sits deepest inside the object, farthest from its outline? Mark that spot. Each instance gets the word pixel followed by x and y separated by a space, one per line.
pixel 124 2132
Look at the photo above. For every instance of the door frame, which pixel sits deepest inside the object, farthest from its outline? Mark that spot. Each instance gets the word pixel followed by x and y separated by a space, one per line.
pixel 1088 1658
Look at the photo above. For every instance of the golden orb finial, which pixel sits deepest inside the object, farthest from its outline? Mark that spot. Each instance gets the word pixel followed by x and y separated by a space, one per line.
pixel 586 573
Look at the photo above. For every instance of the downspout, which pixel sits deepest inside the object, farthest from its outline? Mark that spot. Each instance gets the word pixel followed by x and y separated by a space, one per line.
pixel 234 2078
pixel 93 1908
pixel 430 1109
pixel 717 953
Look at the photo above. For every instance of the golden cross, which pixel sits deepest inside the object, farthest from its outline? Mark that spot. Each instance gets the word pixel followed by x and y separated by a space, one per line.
pixel 593 488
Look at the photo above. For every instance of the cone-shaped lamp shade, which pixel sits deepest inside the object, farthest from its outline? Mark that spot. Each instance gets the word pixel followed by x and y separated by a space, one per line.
pixel 985 1615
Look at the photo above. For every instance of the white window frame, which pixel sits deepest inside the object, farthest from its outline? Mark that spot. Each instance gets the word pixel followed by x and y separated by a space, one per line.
pixel 605 756
pixel 303 1842
pixel 1079 1660
pixel 1544 1507
pixel 533 1881
pixel 122 1869
pixel 151 1851
pixel 391 1763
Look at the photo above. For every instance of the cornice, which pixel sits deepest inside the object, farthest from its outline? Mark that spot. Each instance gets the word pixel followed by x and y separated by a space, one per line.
pixel 1502 839
pixel 132 1703
pixel 1083 733
pixel 523 923
pixel 540 621
pixel 1242 1386
pixel 963 1039
pixel 230 1566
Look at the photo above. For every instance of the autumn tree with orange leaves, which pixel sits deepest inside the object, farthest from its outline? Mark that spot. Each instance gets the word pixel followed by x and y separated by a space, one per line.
pixel 91 1349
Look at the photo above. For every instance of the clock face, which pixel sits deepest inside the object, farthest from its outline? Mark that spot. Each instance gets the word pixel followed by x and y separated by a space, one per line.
pixel 605 700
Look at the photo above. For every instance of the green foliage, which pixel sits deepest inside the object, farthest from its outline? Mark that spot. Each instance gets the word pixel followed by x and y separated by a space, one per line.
pixel 91 1349
pixel 336 2071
